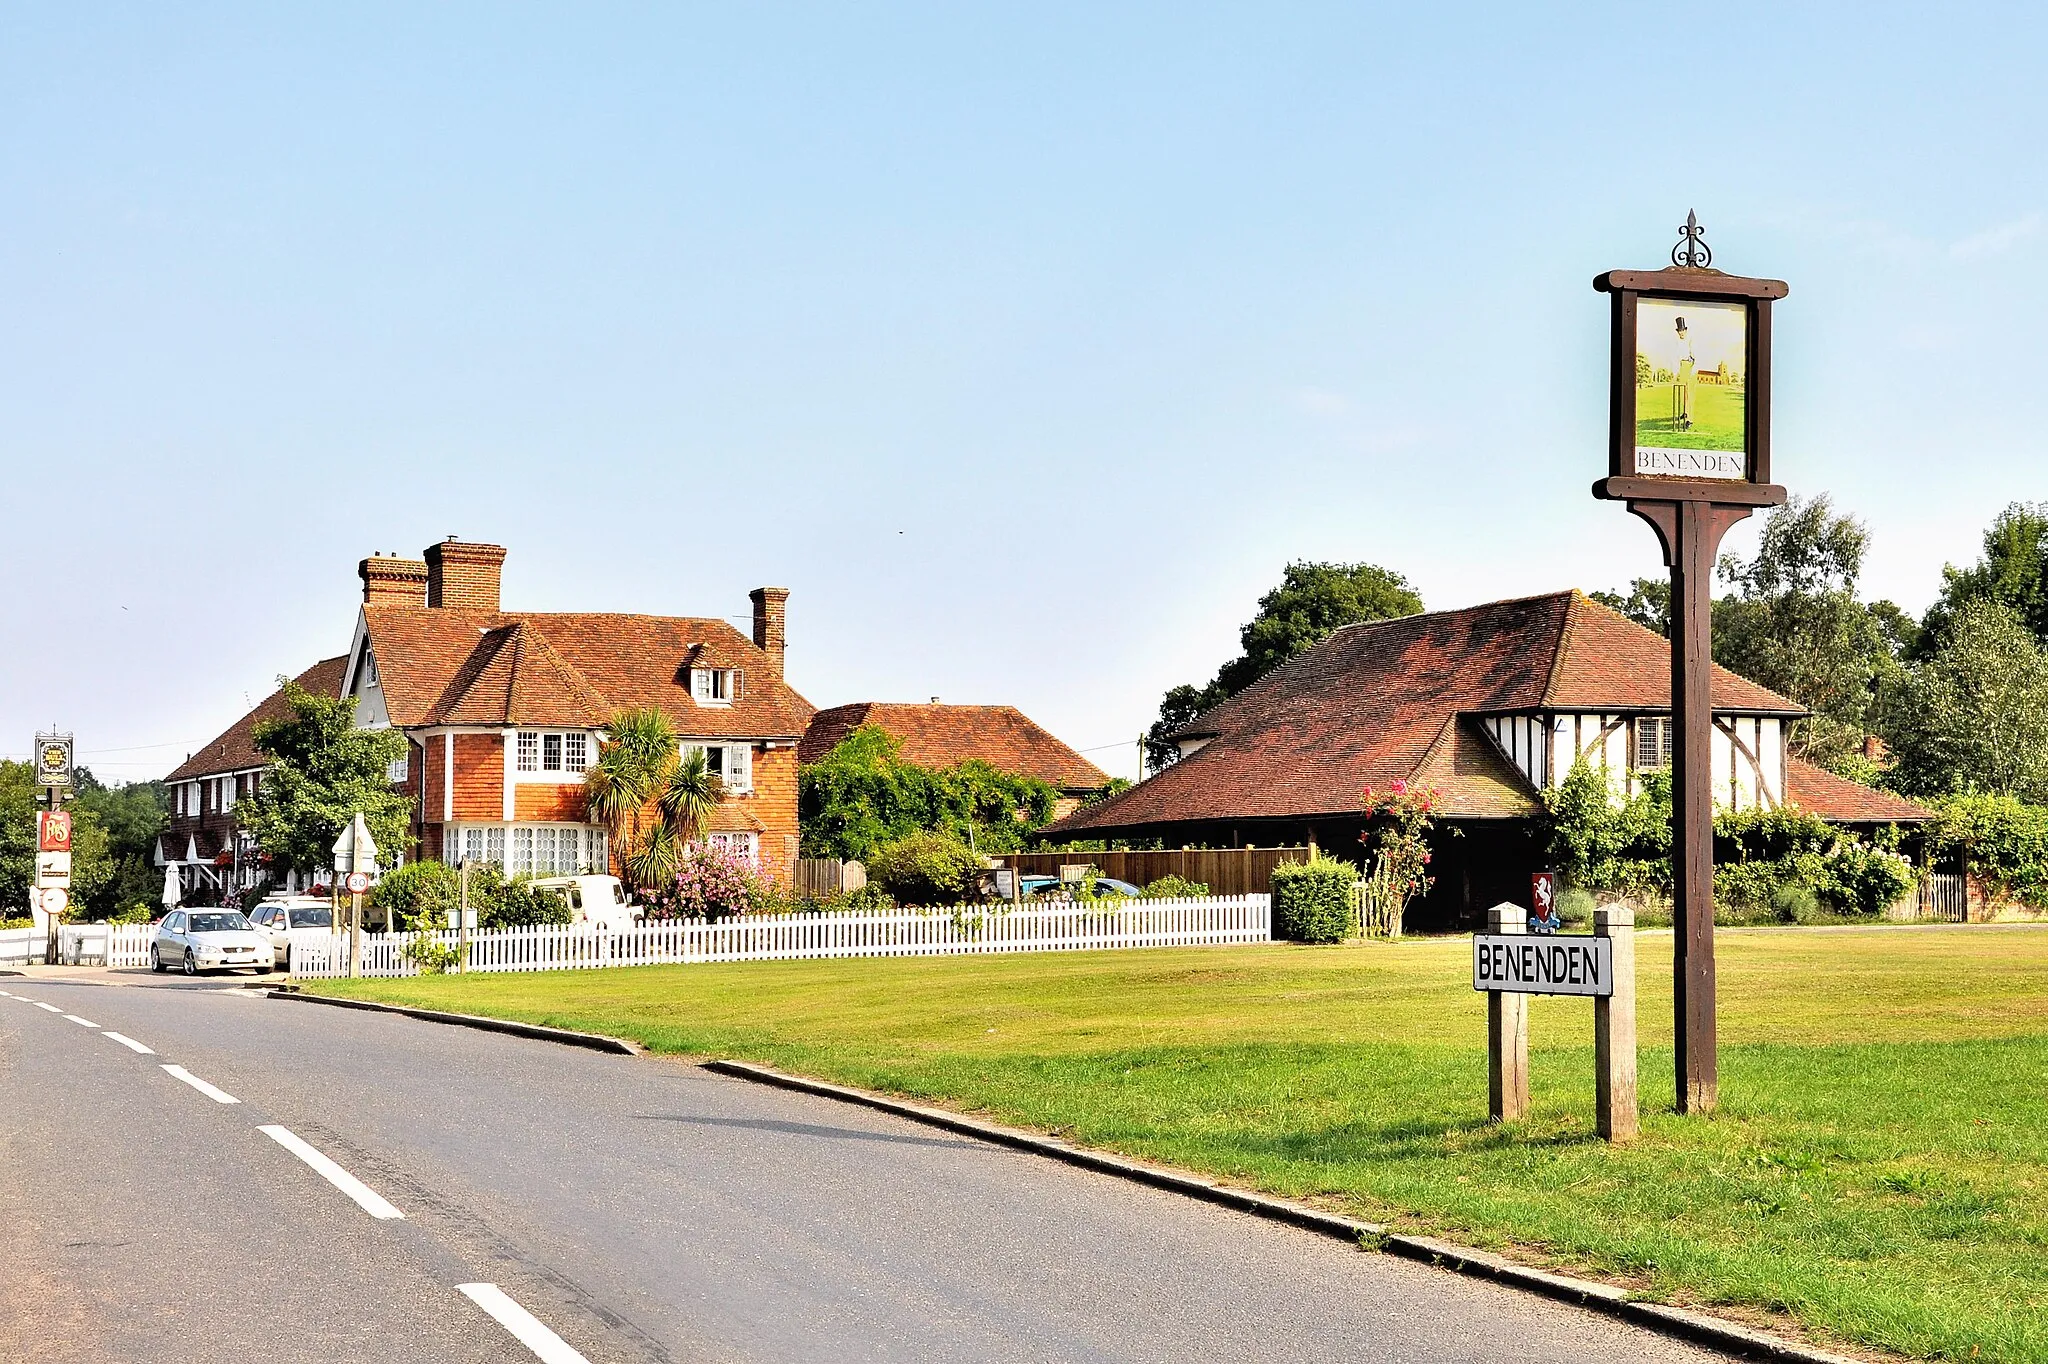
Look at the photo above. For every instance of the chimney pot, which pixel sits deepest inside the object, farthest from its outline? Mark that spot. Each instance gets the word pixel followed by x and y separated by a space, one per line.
pixel 769 621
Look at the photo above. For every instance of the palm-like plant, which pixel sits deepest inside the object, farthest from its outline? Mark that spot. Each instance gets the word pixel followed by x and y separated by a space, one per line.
pixel 688 797
pixel 653 802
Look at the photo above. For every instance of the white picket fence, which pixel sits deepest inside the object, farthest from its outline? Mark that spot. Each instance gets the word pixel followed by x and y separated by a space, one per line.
pixel 79 945
pixel 1212 921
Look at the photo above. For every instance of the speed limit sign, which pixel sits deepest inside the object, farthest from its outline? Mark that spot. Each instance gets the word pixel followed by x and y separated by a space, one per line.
pixel 358 882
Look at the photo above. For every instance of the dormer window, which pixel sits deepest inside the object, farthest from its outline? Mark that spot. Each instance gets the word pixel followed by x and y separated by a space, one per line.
pixel 714 686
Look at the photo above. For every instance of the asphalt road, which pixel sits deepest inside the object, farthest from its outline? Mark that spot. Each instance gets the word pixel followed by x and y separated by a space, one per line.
pixel 630 1209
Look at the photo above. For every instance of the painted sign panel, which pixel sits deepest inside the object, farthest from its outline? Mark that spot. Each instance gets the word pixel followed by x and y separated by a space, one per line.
pixel 53 760
pixel 53 831
pixel 53 868
pixel 1518 965
pixel 1692 389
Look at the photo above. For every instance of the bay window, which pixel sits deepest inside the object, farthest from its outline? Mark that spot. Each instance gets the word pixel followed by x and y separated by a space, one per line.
pixel 551 753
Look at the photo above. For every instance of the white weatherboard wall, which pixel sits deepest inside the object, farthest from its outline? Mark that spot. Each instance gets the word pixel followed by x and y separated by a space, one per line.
pixel 1211 921
pixel 1747 759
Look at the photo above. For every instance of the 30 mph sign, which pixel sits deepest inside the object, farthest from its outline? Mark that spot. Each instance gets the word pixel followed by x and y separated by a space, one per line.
pixel 358 882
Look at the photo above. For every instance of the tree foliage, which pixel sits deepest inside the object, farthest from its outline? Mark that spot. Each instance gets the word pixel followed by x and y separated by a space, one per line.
pixel 425 894
pixel 1973 716
pixel 323 770
pixel 2013 572
pixel 2001 840
pixel 133 815
pixel 1648 603
pixel 653 799
pixel 864 794
pixel 1312 601
pixel 1794 624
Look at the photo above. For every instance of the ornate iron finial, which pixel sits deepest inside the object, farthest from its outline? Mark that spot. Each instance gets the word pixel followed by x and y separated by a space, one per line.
pixel 1692 252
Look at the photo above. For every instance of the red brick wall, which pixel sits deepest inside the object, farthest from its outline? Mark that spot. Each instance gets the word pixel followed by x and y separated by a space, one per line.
pixel 479 776
pixel 557 802
pixel 774 804
pixel 433 780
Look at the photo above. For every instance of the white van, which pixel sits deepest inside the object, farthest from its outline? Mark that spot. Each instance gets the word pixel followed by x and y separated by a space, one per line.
pixel 600 900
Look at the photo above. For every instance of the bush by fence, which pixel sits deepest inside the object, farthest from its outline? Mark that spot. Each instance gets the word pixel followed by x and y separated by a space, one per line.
pixel 1312 900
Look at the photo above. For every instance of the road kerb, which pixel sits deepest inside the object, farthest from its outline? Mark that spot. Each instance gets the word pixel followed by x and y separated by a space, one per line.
pixel 1696 1327
pixel 617 1046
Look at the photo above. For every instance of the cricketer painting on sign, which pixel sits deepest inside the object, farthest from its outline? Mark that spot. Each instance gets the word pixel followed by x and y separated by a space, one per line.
pixel 1691 389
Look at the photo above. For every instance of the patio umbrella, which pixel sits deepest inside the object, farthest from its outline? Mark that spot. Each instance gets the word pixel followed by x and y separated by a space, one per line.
pixel 173 892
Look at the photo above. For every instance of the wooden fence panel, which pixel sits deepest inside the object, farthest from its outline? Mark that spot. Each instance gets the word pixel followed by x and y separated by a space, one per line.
pixel 1225 871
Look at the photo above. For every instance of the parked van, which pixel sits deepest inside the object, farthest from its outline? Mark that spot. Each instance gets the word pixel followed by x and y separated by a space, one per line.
pixel 600 900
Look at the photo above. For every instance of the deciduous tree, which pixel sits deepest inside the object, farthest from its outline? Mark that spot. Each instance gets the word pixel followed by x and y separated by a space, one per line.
pixel 1312 600
pixel 323 771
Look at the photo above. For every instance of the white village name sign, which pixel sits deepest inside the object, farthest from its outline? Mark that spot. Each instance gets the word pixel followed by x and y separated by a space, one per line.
pixel 1543 965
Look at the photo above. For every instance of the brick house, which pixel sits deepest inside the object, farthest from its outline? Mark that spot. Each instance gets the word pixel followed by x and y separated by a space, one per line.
pixel 1491 706
pixel 203 840
pixel 503 711
pixel 936 735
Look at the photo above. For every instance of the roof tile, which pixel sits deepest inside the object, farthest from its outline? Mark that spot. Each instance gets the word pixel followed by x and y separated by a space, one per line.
pixel 940 736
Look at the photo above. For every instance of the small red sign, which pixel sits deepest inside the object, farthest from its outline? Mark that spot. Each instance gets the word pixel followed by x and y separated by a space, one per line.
pixel 358 882
pixel 1543 901
pixel 53 831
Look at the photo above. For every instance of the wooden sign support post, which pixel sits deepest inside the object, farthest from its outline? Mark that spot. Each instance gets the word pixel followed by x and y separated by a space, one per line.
pixel 1507 1034
pixel 1689 418
pixel 1614 1029
pixel 1510 963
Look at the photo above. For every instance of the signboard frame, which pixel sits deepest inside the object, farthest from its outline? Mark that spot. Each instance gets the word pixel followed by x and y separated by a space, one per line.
pixel 1556 956
pixel 1628 289
pixel 63 749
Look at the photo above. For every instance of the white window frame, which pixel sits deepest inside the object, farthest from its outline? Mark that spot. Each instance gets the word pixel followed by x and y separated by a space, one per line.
pixel 1647 726
pixel 519 848
pixel 713 686
pixel 529 755
pixel 399 770
pixel 744 845
pixel 734 764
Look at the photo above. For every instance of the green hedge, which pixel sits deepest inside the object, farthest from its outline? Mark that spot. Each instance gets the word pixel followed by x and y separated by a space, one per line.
pixel 2001 840
pixel 1312 900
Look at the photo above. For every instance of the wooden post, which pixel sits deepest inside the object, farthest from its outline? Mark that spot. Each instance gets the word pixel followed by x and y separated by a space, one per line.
pixel 1614 1029
pixel 1507 1033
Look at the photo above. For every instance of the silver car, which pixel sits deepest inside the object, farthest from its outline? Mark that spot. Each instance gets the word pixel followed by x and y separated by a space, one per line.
pixel 208 940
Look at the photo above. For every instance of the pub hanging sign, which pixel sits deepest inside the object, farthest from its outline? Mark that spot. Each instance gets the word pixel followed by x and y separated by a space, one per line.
pixel 1690 388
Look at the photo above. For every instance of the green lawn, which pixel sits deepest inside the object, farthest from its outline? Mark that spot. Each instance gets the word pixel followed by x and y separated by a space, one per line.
pixel 1877 1169
pixel 1717 418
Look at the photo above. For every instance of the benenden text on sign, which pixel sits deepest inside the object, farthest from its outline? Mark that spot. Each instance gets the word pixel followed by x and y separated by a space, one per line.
pixel 1542 966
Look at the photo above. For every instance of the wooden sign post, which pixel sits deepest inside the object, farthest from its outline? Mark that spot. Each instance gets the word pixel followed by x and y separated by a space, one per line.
pixel 1509 964
pixel 1689 418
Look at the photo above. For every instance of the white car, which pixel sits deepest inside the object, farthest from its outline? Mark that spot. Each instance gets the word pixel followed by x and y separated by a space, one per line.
pixel 208 940
pixel 275 920
pixel 600 900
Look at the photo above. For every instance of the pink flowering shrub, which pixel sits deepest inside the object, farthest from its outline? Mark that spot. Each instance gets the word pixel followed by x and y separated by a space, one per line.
pixel 710 884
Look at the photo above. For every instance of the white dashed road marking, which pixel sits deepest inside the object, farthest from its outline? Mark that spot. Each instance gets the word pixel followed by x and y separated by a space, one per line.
pixel 51 1007
pixel 525 1327
pixel 82 1022
pixel 366 1198
pixel 128 1042
pixel 217 1095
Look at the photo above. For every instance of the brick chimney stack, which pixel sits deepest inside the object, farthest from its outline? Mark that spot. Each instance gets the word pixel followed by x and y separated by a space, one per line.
pixel 463 575
pixel 768 622
pixel 392 581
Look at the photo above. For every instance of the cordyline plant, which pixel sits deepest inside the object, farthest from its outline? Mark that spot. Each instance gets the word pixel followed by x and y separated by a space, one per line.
pixel 1397 825
pixel 653 802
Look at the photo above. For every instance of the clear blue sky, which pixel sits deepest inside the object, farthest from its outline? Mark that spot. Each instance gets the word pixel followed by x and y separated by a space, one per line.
pixel 1024 344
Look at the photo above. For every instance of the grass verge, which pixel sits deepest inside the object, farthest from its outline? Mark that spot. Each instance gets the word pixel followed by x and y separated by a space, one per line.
pixel 1876 1172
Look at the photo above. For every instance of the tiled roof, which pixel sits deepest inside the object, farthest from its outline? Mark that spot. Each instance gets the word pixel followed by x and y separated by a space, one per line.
pixel 1375 703
pixel 574 669
pixel 235 750
pixel 1819 791
pixel 940 736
